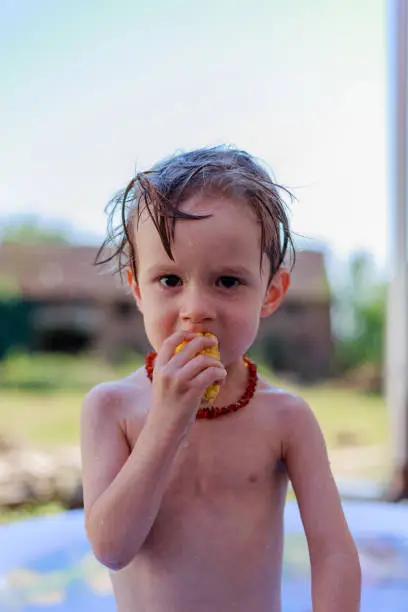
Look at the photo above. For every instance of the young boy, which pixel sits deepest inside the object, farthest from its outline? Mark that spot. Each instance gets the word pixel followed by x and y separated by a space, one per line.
pixel 184 500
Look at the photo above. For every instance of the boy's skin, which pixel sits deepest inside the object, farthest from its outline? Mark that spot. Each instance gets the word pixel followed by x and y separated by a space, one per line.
pixel 189 513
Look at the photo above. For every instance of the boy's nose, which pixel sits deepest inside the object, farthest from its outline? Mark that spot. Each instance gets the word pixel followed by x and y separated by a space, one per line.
pixel 196 307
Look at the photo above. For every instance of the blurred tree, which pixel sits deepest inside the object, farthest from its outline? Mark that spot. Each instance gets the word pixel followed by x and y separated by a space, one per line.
pixel 31 230
pixel 362 304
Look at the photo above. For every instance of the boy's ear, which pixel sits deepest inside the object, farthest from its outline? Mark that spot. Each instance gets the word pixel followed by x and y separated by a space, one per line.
pixel 275 292
pixel 134 287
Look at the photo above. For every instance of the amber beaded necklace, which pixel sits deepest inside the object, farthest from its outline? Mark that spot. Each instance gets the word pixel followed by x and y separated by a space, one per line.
pixel 211 412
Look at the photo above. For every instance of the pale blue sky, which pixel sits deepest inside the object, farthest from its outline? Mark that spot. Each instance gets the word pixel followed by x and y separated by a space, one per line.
pixel 91 89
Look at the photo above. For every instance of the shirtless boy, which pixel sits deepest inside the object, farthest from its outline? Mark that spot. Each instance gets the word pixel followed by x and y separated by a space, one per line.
pixel 183 502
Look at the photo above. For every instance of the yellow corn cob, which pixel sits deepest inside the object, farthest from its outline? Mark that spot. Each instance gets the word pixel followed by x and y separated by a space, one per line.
pixel 212 391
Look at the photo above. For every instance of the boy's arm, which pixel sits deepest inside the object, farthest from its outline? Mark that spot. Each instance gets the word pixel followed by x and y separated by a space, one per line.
pixel 122 489
pixel 336 573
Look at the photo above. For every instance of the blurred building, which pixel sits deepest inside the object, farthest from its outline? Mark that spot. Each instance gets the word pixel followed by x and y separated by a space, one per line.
pixel 52 298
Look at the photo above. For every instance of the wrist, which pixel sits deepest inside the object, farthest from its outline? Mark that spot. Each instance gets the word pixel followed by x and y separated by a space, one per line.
pixel 167 427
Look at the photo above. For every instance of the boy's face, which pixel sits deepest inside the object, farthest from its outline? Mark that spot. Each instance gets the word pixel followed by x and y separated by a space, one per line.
pixel 214 284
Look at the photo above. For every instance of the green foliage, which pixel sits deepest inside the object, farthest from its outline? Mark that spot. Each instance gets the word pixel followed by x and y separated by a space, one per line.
pixel 47 372
pixel 32 230
pixel 363 305
pixel 366 344
pixel 8 515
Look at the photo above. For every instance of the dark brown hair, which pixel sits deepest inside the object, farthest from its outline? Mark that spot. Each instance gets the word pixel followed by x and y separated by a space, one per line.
pixel 161 190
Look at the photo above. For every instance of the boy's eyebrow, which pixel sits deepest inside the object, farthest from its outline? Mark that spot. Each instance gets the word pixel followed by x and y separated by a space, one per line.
pixel 160 268
pixel 233 270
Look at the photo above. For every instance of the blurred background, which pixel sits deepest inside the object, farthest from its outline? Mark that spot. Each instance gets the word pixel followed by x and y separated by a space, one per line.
pixel 93 91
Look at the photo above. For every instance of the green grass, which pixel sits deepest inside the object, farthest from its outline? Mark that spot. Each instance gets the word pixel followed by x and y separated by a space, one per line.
pixel 41 397
pixel 28 511
pixel 357 432
pixel 52 418
pixel 40 403
pixel 53 372
pixel 348 415
pixel 41 419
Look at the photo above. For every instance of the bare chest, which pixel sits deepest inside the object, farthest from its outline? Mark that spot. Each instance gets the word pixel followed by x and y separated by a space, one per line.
pixel 215 463
pixel 226 466
pixel 216 542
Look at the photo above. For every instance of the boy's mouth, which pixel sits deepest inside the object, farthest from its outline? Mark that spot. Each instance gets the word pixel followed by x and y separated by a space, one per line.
pixel 202 332
pixel 197 330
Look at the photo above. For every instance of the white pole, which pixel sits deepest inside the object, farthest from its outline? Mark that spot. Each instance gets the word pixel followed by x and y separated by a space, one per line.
pixel 397 315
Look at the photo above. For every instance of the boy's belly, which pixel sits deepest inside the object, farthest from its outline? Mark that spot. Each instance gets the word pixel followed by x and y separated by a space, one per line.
pixel 209 555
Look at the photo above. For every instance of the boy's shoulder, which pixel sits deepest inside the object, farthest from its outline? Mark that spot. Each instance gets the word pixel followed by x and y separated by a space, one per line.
pixel 276 401
pixel 285 417
pixel 290 415
pixel 114 398
pixel 279 396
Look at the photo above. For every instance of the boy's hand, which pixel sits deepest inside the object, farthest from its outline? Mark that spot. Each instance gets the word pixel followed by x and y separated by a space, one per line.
pixel 181 379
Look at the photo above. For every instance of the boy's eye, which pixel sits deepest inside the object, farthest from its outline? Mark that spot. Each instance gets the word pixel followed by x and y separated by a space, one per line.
pixel 171 280
pixel 227 282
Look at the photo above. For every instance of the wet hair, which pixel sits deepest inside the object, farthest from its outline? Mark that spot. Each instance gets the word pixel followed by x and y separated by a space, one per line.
pixel 216 171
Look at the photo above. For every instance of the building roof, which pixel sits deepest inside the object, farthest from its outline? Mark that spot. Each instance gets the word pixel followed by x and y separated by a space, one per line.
pixel 67 272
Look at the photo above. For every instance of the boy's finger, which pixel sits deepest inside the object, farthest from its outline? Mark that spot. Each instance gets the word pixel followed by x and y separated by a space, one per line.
pixel 192 349
pixel 168 347
pixel 209 376
pixel 198 364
